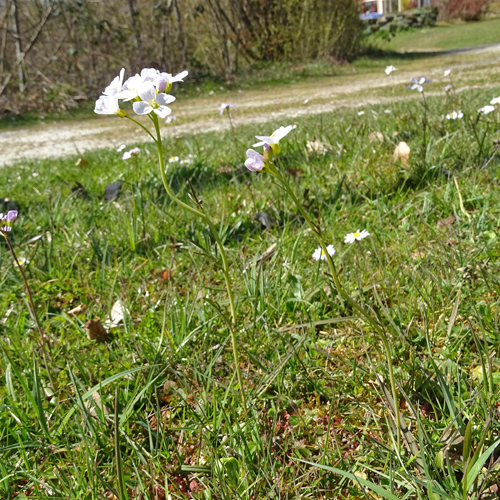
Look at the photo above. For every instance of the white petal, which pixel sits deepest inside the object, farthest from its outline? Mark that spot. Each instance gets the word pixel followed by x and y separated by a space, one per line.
pixel 147 91
pixel 163 111
pixel 282 132
pixel 164 99
pixel 106 105
pixel 142 108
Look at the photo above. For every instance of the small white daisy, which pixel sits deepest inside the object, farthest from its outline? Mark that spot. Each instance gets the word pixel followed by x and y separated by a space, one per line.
pixel 358 235
pixel 496 100
pixel 485 110
pixel 22 261
pixel 319 253
pixel 361 113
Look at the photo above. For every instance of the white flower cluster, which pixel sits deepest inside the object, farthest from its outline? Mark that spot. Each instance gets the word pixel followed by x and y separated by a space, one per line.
pixel 319 253
pixel 186 161
pixel 147 91
pixel 454 115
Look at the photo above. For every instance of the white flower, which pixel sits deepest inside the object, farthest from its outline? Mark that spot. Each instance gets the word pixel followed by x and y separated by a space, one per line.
pixel 225 106
pixel 273 140
pixel 130 88
pixel 22 261
pixel 387 111
pixel 447 72
pixel 417 83
pixel 116 85
pixel 120 148
pixel 361 113
pixel 390 69
pixel 129 154
pixel 170 119
pixel 151 101
pixel 485 110
pixel 496 100
pixel 108 105
pixel 358 235
pixel 254 161
pixel 319 253
pixel 454 115
pixel 173 159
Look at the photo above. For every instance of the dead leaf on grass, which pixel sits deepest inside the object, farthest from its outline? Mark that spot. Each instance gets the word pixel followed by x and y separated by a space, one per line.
pixel 402 153
pixel 116 315
pixel 77 310
pixel 95 330
pixel 376 136
pixel 450 220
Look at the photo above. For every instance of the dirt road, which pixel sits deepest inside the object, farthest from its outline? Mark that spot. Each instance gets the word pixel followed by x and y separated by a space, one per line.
pixel 471 67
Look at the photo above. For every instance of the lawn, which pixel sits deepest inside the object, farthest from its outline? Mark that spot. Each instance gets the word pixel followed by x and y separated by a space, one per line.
pixel 445 37
pixel 153 409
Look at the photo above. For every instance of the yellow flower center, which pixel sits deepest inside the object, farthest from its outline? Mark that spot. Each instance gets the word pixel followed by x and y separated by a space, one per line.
pixel 356 235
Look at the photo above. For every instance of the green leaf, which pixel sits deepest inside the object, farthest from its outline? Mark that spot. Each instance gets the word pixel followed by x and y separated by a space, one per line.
pixel 476 468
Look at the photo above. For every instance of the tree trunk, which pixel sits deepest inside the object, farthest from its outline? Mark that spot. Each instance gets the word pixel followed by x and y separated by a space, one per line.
pixel 16 33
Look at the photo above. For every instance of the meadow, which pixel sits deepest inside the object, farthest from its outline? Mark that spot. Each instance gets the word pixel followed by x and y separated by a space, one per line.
pixel 152 408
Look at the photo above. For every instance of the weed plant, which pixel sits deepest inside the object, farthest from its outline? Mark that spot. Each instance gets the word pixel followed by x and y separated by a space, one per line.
pixel 151 413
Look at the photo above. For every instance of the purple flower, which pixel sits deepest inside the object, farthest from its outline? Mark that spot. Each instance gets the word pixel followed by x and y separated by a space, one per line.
pixel 254 161
pixel 448 87
pixel 7 220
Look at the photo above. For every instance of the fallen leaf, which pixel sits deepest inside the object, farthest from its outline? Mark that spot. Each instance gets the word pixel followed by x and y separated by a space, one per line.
pixel 446 222
pixel 376 136
pixel 402 153
pixel 95 330
pixel 267 254
pixel 111 190
pixel 77 310
pixel 116 315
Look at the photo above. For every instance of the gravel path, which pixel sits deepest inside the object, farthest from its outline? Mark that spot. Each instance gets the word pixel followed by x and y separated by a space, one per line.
pixel 199 115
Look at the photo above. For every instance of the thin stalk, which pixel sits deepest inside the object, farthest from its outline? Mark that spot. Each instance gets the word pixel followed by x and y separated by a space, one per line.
pixel 371 320
pixel 142 126
pixel 225 265
pixel 33 310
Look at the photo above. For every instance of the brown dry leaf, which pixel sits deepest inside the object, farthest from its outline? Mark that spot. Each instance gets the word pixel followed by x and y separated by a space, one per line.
pixel 77 310
pixel 446 222
pixel 95 330
pixel 91 406
pixel 402 153
pixel 111 496
pixel 268 253
pixel 376 136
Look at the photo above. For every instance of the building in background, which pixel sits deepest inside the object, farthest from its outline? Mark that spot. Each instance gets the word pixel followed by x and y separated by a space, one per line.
pixel 381 7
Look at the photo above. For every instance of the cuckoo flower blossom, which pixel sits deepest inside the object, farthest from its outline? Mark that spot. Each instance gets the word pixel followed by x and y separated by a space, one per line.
pixel 358 235
pixel 390 69
pixel 255 162
pixel 7 220
pixel 319 253
pixel 273 140
pixel 225 106
pixel 130 154
pixel 116 85
pixel 447 72
pixel 486 110
pixel 108 105
pixel 152 102
pixel 417 83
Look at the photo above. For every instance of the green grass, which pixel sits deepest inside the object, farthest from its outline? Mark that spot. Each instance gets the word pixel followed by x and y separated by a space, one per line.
pixel 156 406
pixel 445 37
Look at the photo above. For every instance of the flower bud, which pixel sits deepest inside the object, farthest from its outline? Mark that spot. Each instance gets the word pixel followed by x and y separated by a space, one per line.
pixel 161 85
pixel 121 113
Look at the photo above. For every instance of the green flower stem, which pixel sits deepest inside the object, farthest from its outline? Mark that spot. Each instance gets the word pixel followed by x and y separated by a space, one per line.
pixel 281 176
pixel 142 126
pixel 225 265
pixel 33 310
